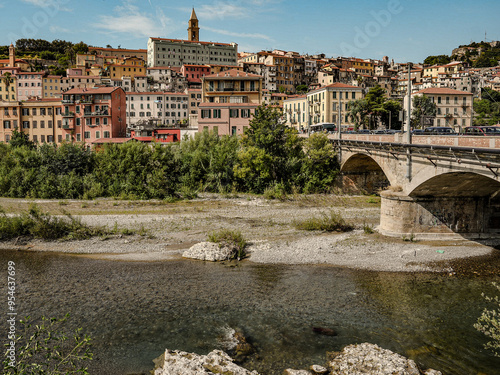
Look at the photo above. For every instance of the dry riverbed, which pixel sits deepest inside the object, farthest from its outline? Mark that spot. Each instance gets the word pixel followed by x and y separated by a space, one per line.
pixel 167 229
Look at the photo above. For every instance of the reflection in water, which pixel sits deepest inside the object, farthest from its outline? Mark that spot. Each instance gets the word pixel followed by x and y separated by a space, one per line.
pixel 134 310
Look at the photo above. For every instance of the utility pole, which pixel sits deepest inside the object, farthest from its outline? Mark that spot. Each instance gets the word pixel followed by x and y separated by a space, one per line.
pixel 408 126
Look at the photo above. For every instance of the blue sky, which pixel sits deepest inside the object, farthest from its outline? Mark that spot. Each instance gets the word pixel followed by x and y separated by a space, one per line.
pixel 401 29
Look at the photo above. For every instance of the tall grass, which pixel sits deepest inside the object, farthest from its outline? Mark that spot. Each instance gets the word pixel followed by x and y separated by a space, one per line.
pixel 231 238
pixel 328 222
pixel 36 224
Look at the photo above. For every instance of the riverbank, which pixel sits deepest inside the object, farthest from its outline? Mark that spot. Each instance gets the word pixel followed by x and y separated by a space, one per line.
pixel 167 229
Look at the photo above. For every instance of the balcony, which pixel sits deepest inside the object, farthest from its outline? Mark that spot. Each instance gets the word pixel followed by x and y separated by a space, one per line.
pixel 68 114
pixel 68 101
pixel 68 126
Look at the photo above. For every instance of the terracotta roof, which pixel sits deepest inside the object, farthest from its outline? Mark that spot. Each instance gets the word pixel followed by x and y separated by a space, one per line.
pixel 228 105
pixel 233 73
pixel 111 140
pixel 442 91
pixel 94 90
pixel 189 41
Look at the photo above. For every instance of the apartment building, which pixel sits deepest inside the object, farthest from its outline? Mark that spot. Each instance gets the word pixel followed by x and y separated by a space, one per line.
pixel 229 99
pixel 10 118
pixel 156 108
pixel 52 86
pixel 41 119
pixel 454 107
pixel 93 115
pixel 129 67
pixel 328 104
pixel 29 84
pixel 8 91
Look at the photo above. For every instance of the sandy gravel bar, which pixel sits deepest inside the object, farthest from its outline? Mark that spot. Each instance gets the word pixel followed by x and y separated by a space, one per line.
pixel 170 228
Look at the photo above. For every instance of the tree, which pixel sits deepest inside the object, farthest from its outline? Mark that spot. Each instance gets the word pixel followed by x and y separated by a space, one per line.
pixel 7 80
pixel 391 115
pixel 270 152
pixel 422 106
pixel 358 111
pixel 437 60
pixel 20 139
pixel 301 89
pixel 80 48
pixel 376 99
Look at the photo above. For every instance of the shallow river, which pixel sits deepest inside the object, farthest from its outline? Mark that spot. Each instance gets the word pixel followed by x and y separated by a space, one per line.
pixel 134 310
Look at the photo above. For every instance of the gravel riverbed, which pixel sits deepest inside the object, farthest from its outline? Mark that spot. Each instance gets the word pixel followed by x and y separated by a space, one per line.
pixel 170 228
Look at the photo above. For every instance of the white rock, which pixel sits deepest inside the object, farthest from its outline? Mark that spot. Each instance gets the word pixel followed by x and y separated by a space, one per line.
pixel 372 359
pixel 177 362
pixel 208 251
pixel 317 369
pixel 290 371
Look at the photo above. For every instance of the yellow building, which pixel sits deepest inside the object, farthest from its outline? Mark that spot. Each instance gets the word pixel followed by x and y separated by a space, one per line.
pixel 52 87
pixel 9 119
pixel 295 112
pixel 42 120
pixel 131 67
pixel 328 104
pixel 232 86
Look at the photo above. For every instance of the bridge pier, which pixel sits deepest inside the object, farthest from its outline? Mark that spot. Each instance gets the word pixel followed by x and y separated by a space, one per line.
pixel 438 217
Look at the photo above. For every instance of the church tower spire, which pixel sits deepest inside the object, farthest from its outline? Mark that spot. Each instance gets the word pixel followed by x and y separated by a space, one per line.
pixel 193 29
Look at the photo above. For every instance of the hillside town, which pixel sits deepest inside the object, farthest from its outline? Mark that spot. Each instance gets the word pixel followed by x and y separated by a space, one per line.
pixel 177 87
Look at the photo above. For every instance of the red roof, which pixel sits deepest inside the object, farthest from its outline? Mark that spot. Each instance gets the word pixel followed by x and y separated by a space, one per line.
pixel 94 90
pixel 111 140
pixel 233 73
pixel 442 91
pixel 189 41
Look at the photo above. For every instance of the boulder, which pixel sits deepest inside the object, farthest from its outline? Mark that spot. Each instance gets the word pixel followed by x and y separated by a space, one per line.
pixel 371 359
pixel 208 251
pixel 290 371
pixel 317 369
pixel 177 362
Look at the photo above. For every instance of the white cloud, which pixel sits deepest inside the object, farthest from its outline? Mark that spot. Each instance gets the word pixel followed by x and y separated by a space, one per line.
pixel 57 4
pixel 221 10
pixel 127 18
pixel 58 29
pixel 239 35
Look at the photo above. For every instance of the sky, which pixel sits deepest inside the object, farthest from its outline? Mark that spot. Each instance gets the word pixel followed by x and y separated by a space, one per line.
pixel 403 30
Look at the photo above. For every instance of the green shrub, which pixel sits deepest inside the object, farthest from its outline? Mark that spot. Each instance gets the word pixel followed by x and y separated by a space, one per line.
pixel 332 222
pixel 489 323
pixel 233 239
pixel 37 224
pixel 368 229
pixel 47 348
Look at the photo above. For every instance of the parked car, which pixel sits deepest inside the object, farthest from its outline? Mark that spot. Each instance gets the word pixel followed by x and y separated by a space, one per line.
pixel 439 130
pixel 417 131
pixel 482 130
pixel 363 131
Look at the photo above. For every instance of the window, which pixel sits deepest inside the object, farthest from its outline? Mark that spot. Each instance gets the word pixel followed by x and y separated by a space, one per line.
pixel 353 95
pixel 35 138
pixel 6 124
pixel 439 100
pixel 245 113
pixel 205 113
pixel 97 135
pixel 87 135
pixel 234 113
pixel 34 111
pixel 50 124
pixel 106 134
pixel 42 111
pixel 35 124
pixel 78 137
pixel 42 124
pixel 233 130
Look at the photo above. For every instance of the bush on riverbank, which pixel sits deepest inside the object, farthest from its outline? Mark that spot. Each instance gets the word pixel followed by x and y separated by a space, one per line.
pixel 232 239
pixel 37 224
pixel 270 157
pixel 331 222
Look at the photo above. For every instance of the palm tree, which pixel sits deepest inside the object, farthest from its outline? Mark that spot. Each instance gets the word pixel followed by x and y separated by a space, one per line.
pixel 7 81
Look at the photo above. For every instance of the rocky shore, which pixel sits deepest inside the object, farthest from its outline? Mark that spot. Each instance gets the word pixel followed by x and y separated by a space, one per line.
pixel 169 229
pixel 354 359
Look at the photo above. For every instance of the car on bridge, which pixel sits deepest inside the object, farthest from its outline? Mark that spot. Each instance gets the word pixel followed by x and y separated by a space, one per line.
pixel 482 130
pixel 439 130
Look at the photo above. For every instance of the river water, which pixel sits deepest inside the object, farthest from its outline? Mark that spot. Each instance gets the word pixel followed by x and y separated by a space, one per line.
pixel 134 310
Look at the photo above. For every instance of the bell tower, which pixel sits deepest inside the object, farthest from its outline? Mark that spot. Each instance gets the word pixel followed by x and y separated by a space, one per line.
pixel 12 56
pixel 193 29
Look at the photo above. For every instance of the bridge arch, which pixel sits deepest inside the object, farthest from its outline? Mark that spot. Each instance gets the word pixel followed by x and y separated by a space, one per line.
pixel 363 173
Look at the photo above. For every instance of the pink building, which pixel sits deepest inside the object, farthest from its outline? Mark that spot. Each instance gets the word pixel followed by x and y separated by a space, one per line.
pixel 29 85
pixel 226 118
pixel 194 73
pixel 157 135
pixel 90 115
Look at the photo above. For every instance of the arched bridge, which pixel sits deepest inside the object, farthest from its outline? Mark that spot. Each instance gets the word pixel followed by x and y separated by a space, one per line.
pixel 427 190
